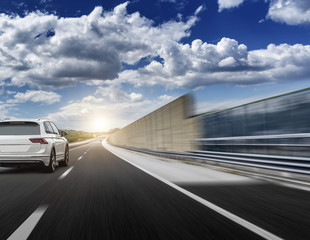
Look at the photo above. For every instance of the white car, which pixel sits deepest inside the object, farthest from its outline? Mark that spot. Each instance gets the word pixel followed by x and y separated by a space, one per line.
pixel 32 142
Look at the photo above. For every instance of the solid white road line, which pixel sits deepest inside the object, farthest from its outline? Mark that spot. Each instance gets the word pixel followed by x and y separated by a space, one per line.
pixel 250 226
pixel 65 173
pixel 23 232
pixel 85 152
pixel 80 158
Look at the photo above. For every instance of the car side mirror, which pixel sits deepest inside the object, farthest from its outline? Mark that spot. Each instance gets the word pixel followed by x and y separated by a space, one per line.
pixel 63 133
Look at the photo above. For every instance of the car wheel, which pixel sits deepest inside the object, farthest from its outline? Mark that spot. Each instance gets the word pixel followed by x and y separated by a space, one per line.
pixel 64 163
pixel 52 164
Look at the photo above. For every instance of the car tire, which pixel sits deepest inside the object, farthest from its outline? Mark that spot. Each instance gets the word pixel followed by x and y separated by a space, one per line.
pixel 65 162
pixel 52 164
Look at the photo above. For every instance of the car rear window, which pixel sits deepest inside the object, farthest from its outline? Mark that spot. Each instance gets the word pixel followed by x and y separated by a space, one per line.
pixel 19 128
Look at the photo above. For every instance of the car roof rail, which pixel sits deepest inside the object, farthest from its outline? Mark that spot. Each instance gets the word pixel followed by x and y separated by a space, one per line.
pixel 44 118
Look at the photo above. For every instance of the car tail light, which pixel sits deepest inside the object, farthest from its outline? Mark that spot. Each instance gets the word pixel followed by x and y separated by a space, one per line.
pixel 38 140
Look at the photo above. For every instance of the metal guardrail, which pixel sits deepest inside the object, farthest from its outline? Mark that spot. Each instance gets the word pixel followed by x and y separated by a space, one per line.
pixel 278 163
pixel 280 152
pixel 274 136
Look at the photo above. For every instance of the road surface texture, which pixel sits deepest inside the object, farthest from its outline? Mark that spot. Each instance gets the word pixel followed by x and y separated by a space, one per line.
pixel 102 196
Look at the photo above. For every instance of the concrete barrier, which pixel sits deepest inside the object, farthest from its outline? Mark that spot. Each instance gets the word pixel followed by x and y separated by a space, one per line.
pixel 169 128
pixel 172 131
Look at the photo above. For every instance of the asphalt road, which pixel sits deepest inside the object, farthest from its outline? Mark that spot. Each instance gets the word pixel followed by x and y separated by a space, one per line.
pixel 103 197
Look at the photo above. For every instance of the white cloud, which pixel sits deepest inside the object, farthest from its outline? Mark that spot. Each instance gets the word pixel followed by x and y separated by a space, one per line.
pixel 292 12
pixel 228 62
pixel 224 4
pixel 199 9
pixel 5 108
pixel 61 51
pixel 116 94
pixel 79 114
pixel 91 99
pixel 179 4
pixel 135 97
pixel 35 96
pixel 43 50
pixel 166 98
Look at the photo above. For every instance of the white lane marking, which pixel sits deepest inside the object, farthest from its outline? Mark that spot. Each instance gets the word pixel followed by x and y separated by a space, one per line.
pixel 80 158
pixel 65 173
pixel 24 230
pixel 85 152
pixel 292 185
pixel 250 226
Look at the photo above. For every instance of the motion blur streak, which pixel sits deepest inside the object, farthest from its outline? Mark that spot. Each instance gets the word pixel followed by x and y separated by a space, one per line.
pixel 25 229
pixel 272 133
pixel 107 198
pixel 261 232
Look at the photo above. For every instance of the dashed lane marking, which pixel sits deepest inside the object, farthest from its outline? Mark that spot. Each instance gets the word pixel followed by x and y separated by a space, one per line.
pixel 24 230
pixel 65 173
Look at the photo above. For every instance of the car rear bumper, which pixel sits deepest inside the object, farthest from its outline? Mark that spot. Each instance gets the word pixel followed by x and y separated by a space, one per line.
pixel 15 160
pixel 21 164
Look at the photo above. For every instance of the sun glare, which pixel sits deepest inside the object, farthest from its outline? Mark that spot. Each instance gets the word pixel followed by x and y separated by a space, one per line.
pixel 99 125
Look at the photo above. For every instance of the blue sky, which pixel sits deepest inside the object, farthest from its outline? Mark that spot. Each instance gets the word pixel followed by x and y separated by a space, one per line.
pixel 96 65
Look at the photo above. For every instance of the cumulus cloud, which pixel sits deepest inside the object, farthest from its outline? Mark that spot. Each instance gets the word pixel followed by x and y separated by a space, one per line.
pixel 43 50
pixel 92 99
pixel 292 12
pixel 116 94
pixel 5 108
pixel 165 98
pixel 224 4
pixel 199 64
pixel 36 97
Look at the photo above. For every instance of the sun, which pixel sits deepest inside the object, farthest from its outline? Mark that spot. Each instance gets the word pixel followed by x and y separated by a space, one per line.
pixel 99 124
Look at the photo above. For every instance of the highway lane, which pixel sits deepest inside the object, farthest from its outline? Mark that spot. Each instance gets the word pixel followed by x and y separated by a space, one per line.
pixel 281 210
pixel 272 206
pixel 23 190
pixel 104 197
